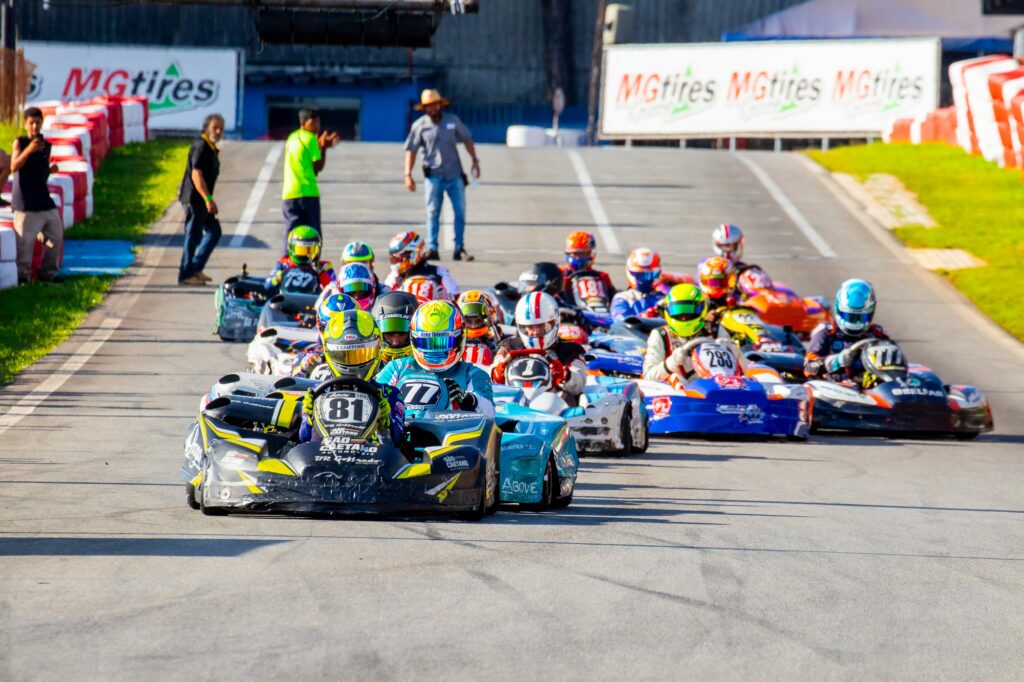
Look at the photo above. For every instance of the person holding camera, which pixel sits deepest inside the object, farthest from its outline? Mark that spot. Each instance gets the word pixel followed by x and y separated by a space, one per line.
pixel 34 210
pixel 438 133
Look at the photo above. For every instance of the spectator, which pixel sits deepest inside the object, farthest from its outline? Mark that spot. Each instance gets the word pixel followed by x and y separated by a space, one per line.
pixel 305 155
pixel 34 210
pixel 439 133
pixel 202 228
pixel 5 172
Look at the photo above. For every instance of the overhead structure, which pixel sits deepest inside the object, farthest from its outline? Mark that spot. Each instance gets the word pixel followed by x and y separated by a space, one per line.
pixel 960 23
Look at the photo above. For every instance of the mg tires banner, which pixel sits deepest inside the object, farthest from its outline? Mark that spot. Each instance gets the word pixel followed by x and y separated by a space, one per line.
pixel 183 84
pixel 806 87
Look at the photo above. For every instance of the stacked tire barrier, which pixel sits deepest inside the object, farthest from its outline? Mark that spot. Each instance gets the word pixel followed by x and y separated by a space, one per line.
pixel 987 116
pixel 81 135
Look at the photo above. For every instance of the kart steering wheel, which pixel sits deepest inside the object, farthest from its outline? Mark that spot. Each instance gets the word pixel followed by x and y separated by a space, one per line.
pixel 343 382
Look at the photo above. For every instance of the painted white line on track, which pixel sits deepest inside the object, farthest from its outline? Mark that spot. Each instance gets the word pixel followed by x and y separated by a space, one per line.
pixel 813 236
pixel 256 196
pixel 611 242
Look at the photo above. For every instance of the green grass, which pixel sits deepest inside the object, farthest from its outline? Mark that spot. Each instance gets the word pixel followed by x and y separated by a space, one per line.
pixel 978 207
pixel 132 190
pixel 8 131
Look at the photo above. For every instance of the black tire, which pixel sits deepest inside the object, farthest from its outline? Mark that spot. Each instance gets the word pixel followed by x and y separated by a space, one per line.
pixel 190 496
pixel 493 508
pixel 627 434
pixel 967 435
pixel 549 489
pixel 641 449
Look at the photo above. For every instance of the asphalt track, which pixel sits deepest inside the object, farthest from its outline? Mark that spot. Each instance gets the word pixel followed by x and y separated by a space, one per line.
pixel 839 558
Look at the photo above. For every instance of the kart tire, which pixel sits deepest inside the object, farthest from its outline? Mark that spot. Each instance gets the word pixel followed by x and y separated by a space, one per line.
pixel 493 508
pixel 641 449
pixel 190 496
pixel 626 428
pixel 547 494
pixel 562 502
pixel 966 435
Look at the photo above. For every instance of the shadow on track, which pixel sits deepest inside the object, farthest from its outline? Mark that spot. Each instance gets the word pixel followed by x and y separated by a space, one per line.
pixel 120 546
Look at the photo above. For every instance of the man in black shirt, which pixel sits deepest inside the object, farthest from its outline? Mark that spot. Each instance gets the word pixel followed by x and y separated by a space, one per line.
pixel 202 229
pixel 34 210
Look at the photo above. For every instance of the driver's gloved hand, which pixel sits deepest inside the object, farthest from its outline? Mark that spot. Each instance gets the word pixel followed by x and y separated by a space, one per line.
pixel 558 373
pixel 465 401
pixel 307 404
pixel 676 363
pixel 839 361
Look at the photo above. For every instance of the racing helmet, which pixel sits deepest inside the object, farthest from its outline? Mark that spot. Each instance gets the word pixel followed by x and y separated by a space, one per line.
pixel 424 288
pixel 407 250
pixel 438 336
pixel 537 318
pixel 716 277
pixel 854 306
pixel 685 310
pixel 393 312
pixel 357 252
pixel 352 345
pixel 753 280
pixel 643 268
pixel 303 245
pixel 331 305
pixel 573 333
pixel 478 313
pixel 478 354
pixel 356 280
pixel 546 277
pixel 580 250
pixel 727 241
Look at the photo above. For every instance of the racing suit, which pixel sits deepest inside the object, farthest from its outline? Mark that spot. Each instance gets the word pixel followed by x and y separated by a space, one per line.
pixel 423 390
pixel 390 420
pixel 825 358
pixel 631 302
pixel 289 276
pixel 424 269
pixel 569 355
pixel 661 362
pixel 606 280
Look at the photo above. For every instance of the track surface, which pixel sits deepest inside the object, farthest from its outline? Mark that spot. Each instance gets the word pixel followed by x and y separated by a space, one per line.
pixel 841 557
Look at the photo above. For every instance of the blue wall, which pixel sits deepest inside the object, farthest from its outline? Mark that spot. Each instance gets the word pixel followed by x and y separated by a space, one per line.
pixel 383 115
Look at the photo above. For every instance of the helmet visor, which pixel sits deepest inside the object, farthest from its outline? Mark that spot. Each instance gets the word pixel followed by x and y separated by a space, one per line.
pixel 304 249
pixel 854 319
pixel 351 354
pixel 358 288
pixel 728 248
pixel 644 279
pixel 393 323
pixel 537 331
pixel 431 342
pixel 684 311
pixel 475 314
pixel 717 283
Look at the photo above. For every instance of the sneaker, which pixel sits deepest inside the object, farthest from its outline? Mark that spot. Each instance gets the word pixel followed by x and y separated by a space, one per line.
pixel 462 254
pixel 432 255
pixel 203 276
pixel 193 281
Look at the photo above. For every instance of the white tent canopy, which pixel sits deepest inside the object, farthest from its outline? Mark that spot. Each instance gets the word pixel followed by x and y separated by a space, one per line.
pixel 948 19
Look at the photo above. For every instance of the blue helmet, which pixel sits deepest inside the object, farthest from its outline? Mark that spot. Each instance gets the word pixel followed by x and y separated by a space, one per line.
pixel 331 306
pixel 357 252
pixel 854 306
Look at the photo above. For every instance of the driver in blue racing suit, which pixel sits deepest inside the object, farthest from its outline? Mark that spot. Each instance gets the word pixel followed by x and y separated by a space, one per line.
pixel 643 268
pixel 352 344
pixel 828 355
pixel 436 377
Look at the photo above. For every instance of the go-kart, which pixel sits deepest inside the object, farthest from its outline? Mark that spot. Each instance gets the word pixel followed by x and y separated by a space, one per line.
pixel 238 303
pixel 894 397
pixel 278 350
pixel 288 309
pixel 533 444
pixel 781 307
pixel 586 291
pixel 242 455
pixel 720 398
pixel 609 419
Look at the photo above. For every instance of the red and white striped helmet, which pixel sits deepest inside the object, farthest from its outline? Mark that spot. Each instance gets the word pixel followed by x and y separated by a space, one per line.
pixel 537 320
pixel 727 241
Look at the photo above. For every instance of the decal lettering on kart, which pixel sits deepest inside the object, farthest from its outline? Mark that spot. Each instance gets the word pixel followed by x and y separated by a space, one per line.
pixel 588 288
pixel 729 382
pixel 717 358
pixel 298 281
pixel 528 371
pixel 519 487
pixel 419 393
pixel 661 405
pixel 345 408
pixel 751 414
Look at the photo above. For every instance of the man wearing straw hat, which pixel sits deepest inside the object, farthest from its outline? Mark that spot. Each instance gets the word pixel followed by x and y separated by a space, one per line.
pixel 439 133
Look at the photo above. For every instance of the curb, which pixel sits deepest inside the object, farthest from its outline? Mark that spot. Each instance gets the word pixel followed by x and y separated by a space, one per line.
pixel 941 286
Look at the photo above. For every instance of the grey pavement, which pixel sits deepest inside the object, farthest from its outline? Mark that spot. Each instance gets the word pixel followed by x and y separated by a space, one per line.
pixel 841 558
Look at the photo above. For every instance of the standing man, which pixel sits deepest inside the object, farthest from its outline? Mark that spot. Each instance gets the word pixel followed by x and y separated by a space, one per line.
pixel 34 210
pixel 5 171
pixel 438 133
pixel 202 228
pixel 305 155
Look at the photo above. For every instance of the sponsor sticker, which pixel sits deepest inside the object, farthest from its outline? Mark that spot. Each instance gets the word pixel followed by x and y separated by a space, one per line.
pixel 661 405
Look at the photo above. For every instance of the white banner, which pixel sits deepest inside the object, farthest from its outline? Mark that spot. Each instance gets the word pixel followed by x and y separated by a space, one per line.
pixel 183 84
pixel 812 87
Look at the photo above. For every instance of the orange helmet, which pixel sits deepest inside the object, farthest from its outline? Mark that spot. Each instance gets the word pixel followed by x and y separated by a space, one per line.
pixel 478 312
pixel 716 277
pixel 424 288
pixel 580 250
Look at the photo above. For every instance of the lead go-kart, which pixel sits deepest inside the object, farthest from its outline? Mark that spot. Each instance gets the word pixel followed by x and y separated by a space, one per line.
pixel 609 419
pixel 242 455
pixel 537 463
pixel 720 399
pixel 897 398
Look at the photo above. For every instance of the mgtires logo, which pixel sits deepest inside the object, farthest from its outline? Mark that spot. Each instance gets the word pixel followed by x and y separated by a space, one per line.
pixel 168 90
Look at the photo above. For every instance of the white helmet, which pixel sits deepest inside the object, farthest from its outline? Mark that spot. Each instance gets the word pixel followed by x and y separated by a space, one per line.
pixel 537 320
pixel 728 242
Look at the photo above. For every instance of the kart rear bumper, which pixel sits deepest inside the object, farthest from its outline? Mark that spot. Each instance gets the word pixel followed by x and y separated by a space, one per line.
pixel 929 418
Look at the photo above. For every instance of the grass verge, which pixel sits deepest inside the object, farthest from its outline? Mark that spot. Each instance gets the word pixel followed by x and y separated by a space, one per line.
pixel 978 207
pixel 132 190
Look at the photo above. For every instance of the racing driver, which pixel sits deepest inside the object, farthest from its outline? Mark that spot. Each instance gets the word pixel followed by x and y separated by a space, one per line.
pixel 828 355
pixel 409 259
pixel 301 269
pixel 685 310
pixel 580 254
pixel 393 313
pixel 643 269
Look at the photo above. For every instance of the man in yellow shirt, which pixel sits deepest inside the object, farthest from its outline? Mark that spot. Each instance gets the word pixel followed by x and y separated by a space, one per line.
pixel 305 155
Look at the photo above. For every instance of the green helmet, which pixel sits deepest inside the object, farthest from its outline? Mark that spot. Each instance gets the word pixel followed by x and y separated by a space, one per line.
pixel 352 344
pixel 303 245
pixel 685 309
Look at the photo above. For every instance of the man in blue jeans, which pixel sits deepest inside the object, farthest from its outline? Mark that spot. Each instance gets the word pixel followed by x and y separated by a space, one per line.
pixel 439 133
pixel 202 228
